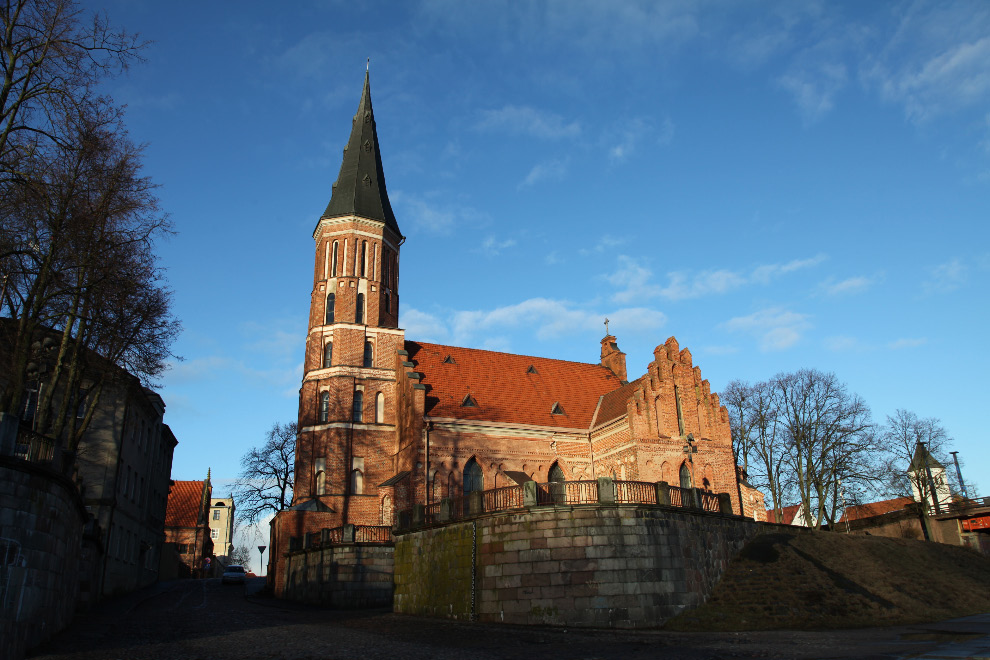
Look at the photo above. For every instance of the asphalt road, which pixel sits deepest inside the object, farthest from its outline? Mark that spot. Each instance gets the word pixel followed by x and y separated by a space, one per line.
pixel 205 620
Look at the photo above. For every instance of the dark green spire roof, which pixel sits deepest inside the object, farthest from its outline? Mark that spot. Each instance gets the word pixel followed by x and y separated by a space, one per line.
pixel 360 187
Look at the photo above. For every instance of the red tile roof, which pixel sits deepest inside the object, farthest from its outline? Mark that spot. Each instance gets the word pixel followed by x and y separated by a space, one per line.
pixel 184 499
pixel 614 403
pixel 503 389
pixel 787 514
pixel 875 508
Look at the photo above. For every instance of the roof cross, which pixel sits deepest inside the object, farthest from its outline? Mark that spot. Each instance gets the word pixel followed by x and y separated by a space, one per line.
pixel 606 326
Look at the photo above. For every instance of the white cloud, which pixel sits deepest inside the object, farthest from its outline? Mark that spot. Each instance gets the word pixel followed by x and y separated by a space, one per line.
pixel 841 343
pixel 814 88
pixel 763 274
pixel 524 120
pixel 422 326
pixel 625 139
pixel 434 212
pixel 900 344
pixel 492 246
pixel 632 279
pixel 945 277
pixel 848 286
pixel 553 170
pixel 775 328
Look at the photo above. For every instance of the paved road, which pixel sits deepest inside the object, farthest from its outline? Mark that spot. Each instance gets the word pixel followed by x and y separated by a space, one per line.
pixel 205 620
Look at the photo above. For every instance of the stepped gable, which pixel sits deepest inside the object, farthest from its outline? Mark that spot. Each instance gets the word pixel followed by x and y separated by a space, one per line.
pixel 615 403
pixel 875 508
pixel 184 500
pixel 508 388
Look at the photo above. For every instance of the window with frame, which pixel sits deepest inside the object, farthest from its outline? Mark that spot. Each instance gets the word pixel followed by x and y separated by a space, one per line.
pixel 357 410
pixel 364 257
pixel 369 354
pixel 359 309
pixel 331 300
pixel 328 355
pixel 214 533
pixel 357 482
pixel 216 514
pixel 333 260
pixel 325 407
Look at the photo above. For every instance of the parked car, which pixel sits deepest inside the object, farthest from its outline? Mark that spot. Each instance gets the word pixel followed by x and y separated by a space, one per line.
pixel 233 574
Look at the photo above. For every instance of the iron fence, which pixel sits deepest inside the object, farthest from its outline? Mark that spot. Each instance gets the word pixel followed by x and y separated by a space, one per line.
pixel 567 492
pixel 678 496
pixel 709 501
pixel 500 499
pixel 33 446
pixel 372 534
pixel 635 492
pixel 431 513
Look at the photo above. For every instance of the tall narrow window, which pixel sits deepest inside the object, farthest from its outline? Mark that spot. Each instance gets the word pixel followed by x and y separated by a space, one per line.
pixel 333 260
pixel 379 408
pixel 369 354
pixel 331 299
pixel 387 516
pixel 328 355
pixel 364 257
pixel 320 467
pixel 388 302
pixel 359 309
pixel 357 412
pixel 473 477
pixel 685 476
pixel 385 258
pixel 357 482
pixel 324 407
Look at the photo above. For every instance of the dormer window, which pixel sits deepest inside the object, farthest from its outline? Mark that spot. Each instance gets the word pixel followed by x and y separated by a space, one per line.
pixel 449 360
pixel 532 370
pixel 469 402
pixel 557 409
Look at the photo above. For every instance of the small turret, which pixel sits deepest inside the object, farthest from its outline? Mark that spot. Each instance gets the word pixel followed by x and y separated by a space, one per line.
pixel 613 358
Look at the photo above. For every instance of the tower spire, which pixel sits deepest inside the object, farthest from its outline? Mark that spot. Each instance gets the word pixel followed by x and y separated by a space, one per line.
pixel 360 186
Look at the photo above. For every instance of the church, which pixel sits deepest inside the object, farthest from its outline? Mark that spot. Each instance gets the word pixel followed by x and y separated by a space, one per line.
pixel 386 422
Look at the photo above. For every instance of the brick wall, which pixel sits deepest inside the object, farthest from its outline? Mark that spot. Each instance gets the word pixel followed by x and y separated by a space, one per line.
pixel 623 567
pixel 340 576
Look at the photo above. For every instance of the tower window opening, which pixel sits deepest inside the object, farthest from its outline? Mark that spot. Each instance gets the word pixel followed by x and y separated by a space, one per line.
pixel 364 257
pixel 359 309
pixel 328 355
pixel 331 299
pixel 357 482
pixel 369 354
pixel 379 408
pixel 388 302
pixel 324 407
pixel 333 260
pixel 357 412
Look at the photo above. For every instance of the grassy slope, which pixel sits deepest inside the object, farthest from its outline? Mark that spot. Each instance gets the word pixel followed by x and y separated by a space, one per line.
pixel 794 579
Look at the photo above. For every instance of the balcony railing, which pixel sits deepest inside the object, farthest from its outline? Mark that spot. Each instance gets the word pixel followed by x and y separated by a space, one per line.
pixel 635 492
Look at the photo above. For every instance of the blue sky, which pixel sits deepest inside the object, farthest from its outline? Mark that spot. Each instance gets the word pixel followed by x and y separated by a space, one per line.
pixel 779 185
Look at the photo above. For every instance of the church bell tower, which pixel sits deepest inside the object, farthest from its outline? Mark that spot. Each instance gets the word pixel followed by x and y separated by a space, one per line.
pixel 346 426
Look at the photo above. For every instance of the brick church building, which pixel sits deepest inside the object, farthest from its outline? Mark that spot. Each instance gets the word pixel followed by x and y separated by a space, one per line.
pixel 386 421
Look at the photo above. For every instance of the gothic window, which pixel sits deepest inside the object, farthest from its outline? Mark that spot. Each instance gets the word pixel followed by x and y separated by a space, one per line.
pixel 369 354
pixel 685 476
pixel 364 257
pixel 357 482
pixel 357 412
pixel 333 261
pixel 324 407
pixel 328 355
pixel 330 302
pixel 379 408
pixel 473 477
pixel 556 478
pixel 359 309
pixel 556 473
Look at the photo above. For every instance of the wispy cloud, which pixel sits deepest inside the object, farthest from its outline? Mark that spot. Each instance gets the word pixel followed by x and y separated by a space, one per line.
pixel 492 246
pixel 842 343
pixel 435 213
pixel 525 120
pixel 814 87
pixel 624 140
pixel 775 328
pixel 900 344
pixel 848 286
pixel 946 277
pixel 553 170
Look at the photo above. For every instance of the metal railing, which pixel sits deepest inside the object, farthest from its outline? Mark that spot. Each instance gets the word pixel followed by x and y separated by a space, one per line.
pixel 635 492
pixel 372 534
pixel 567 492
pixel 506 497
pixel 33 446
pixel 709 501
pixel 431 513
pixel 678 496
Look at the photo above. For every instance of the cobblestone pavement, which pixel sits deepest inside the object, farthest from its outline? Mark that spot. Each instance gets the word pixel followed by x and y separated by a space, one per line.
pixel 205 620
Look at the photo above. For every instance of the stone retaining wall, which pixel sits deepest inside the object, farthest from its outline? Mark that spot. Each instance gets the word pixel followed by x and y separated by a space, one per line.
pixel 341 576
pixel 41 525
pixel 598 565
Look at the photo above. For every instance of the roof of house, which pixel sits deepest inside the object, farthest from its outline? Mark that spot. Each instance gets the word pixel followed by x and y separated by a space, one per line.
pixel 508 388
pixel 787 514
pixel 614 403
pixel 923 459
pixel 360 186
pixel 875 508
pixel 184 500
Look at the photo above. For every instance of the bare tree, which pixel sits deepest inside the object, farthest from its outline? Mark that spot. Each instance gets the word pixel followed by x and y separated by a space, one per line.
pixel 830 440
pixel 901 435
pixel 265 483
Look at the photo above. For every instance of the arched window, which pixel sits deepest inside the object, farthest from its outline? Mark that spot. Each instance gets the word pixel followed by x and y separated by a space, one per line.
pixel 556 478
pixel 685 476
pixel 328 355
pixel 359 309
pixel 357 482
pixel 556 473
pixel 333 261
pixel 330 303
pixel 324 407
pixel 473 477
pixel 369 354
pixel 379 408
pixel 320 467
pixel 364 257
pixel 357 413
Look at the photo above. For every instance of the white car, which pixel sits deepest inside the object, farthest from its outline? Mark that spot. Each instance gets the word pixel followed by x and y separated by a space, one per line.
pixel 233 574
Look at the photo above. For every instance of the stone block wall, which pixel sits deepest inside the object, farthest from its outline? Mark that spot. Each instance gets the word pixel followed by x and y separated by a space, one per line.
pixel 41 529
pixel 346 576
pixel 602 566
